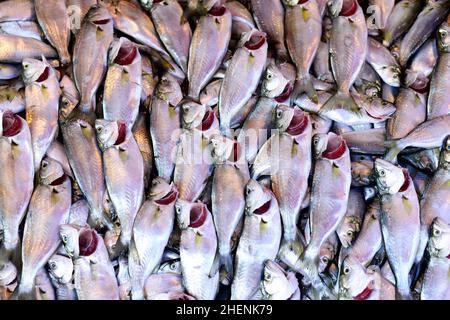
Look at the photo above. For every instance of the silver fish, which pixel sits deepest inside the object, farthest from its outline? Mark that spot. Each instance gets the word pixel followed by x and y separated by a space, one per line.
pixel 17 10
pixel 278 284
pixel 381 59
pixel 422 65
pixel 60 269
pixel 13 49
pixel 350 226
pixel 141 134
pixel 370 141
pixel 27 29
pixel 241 17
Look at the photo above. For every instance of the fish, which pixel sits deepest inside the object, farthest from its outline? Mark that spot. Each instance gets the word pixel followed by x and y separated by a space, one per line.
pixel 208 48
pixel 17 10
pixel 90 54
pixel 141 134
pixel 27 29
pixel 14 49
pixel 400 20
pixel 426 160
pixel 44 289
pixel 123 166
pixel 166 286
pixel 383 62
pixel 400 221
pixel 431 16
pixel 270 19
pixel 382 10
pixel 60 270
pixel 350 226
pixel 122 89
pixel 77 10
pixel 49 208
pixel 17 182
pixel 174 32
pixel 300 16
pixel 422 65
pixel 209 96
pixel 428 134
pixel 198 250
pixel 287 158
pixel 148 81
pixel 410 112
pixel 260 240
pixel 227 197
pixel 69 98
pixel 438 103
pixel 247 65
pixel 165 124
pixel 348 50
pixel 321 64
pixel 57 152
pixel 8 280
pixel 151 230
pixel 362 170
pixel 42 95
pixel 278 284
pixel 242 19
pixel 54 21
pixel 369 141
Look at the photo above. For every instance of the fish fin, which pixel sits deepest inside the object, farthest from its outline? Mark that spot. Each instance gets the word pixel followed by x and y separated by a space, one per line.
pixel 226 263
pixel 304 85
pixel 341 101
pixel 291 251
pixel 263 161
pixel 393 150
pixel 215 265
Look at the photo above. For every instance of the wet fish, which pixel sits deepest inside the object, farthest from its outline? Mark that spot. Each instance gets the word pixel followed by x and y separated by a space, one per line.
pixel 241 17
pixel 141 134
pixel 27 29
pixel 13 49
pixel 422 65
pixel 383 63
pixel 60 269
pixel 278 284
pixel 17 10
pixel 350 226
pixel 370 141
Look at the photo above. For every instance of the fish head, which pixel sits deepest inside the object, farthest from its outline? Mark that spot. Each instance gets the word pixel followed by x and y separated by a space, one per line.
pixel 389 177
pixel 348 230
pixel 88 240
pixel 171 266
pixel 291 3
pixel 50 171
pixel 257 198
pixel 110 239
pixel 69 98
pixel 192 114
pixel 444 158
pixel 326 255
pixel 427 160
pixel 182 210
pixel 379 109
pixel 355 282
pixel 221 147
pixel 190 215
pixel 107 132
pixel 319 142
pixel 274 279
pixel 60 268
pixel 252 40
pixel 99 16
pixel 69 236
pixel 273 82
pixel 159 188
pixel 8 274
pixel 169 90
pixel 122 52
pixel 35 70
pixel 335 7
pixel 439 243
pixel 443 37
pixel 11 124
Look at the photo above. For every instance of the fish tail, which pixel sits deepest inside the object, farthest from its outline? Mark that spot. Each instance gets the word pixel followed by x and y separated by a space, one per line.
pixel 308 265
pixel 226 267
pixel 25 290
pixel 137 293
pixel 291 251
pixel 304 85
pixel 341 100
pixel 282 53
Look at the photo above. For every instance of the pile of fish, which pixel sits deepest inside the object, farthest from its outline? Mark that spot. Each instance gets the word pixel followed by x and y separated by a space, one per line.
pixel 211 149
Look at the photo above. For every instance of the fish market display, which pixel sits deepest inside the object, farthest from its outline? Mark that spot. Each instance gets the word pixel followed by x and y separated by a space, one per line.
pixel 224 150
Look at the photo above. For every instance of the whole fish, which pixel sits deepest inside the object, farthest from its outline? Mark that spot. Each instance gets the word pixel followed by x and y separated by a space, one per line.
pixel 165 124
pixel 359 283
pixel 422 65
pixel 208 48
pixel 429 134
pixel 437 188
pixel 438 102
pixel 174 32
pixel 400 20
pixel 124 174
pixel 247 65
pixel 141 134
pixel 286 157
pixel 54 21
pixel 348 49
pixel 17 182
pixel 90 54
pixel 42 94
pixel 27 29
pixel 383 62
pixel 350 226
pixel 411 112
pixel 259 241
pixel 227 198
pixel 400 221
pixel 151 230
pixel 13 49
pixel 277 284
pixel 198 250
pixel 17 10
pixel 94 275
pixel 431 16
pixel 193 164
pixel 122 92
pixel 269 17
pixel 49 208
pixel 303 16
pixel 329 197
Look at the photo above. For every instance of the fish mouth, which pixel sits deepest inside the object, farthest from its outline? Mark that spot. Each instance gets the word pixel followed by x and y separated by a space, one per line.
pixel 126 55
pixel 420 86
pixel 207 120
pixel 59 181
pixel 168 198
pixel 405 185
pixel 256 41
pixel 101 22
pixel 121 134
pixel 87 242
pixel 197 216
pixel 217 11
pixel 44 75
pixel 336 147
pixel 11 124
pixel 348 11
pixel 365 294
pixel 263 209
pixel 298 123
pixel 285 94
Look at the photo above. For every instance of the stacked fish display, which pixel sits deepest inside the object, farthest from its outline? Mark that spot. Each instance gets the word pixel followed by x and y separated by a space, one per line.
pixel 212 149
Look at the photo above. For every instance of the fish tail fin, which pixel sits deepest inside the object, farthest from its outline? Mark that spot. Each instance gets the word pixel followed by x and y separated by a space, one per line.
pixel 394 148
pixel 226 267
pixel 304 84
pixel 282 53
pixel 137 293
pixel 291 250
pixel 341 100
pixel 25 290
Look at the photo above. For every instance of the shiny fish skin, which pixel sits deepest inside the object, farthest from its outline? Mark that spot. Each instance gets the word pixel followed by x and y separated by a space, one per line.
pixel 141 134
pixel 351 224
pixel 9 71
pixel 17 10
pixel 27 29
pixel 208 47
pixel 54 21
pixel 384 8
pixel 383 62
pixel 14 49
pixel 242 18
pixel 422 65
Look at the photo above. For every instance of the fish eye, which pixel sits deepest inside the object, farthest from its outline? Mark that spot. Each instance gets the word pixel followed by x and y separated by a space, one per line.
pixel 443 33
pixel 64 238
pixel 324 260
pixel 52 265
pixel 382 173
pixel 436 232
pixel 99 129
pixel 315 142
pixel 279 113
pixel 173 266
pixel 268 277
pixel 350 233
pixel 269 76
pixel 178 209
pixel 346 270
pixel 248 190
